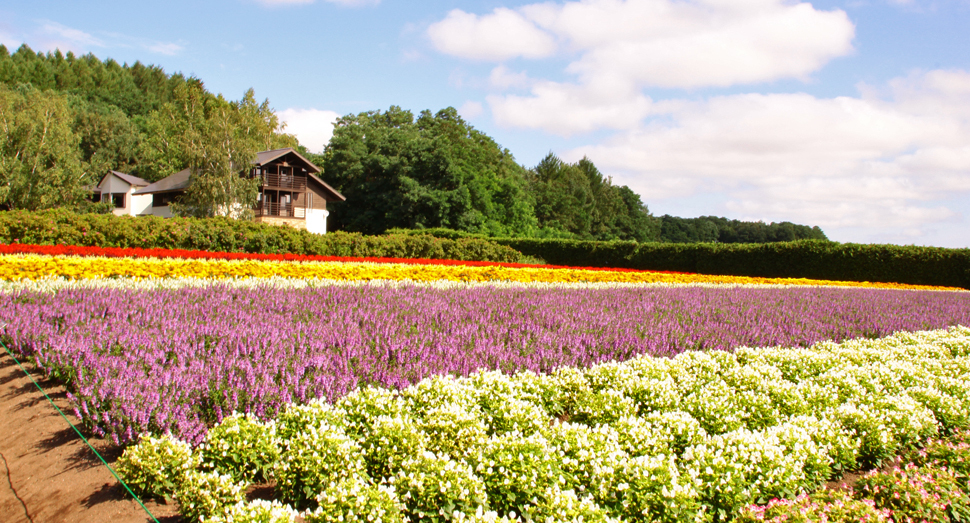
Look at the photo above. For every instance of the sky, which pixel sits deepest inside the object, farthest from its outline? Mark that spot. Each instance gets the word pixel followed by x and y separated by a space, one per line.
pixel 850 115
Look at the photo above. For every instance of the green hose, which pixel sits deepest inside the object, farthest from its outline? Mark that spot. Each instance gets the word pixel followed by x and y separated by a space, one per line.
pixel 113 473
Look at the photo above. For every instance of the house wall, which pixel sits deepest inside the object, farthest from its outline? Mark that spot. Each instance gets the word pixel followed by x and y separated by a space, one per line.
pixel 134 205
pixel 164 211
pixel 296 223
pixel 112 185
pixel 319 201
pixel 141 204
pixel 316 220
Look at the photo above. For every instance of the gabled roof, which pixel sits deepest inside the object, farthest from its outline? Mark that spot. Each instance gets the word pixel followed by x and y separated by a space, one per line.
pixel 180 180
pixel 176 182
pixel 134 181
pixel 333 192
pixel 265 157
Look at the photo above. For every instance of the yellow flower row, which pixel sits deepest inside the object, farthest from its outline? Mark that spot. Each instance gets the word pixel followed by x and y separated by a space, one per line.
pixel 34 267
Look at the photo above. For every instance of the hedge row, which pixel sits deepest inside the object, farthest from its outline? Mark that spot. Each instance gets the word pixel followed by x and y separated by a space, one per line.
pixel 800 259
pixel 61 227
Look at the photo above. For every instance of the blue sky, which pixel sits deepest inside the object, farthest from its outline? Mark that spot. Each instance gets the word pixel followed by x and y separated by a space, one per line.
pixel 850 115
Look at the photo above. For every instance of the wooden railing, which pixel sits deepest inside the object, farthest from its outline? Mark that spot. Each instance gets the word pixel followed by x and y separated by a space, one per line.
pixel 284 181
pixel 283 210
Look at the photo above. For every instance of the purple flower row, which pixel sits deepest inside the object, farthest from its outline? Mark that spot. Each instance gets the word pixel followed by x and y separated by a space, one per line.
pixel 179 360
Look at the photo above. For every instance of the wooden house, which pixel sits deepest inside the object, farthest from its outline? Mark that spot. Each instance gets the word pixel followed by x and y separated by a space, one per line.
pixel 290 192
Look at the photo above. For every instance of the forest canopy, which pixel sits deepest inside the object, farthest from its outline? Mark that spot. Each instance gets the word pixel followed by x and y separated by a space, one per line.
pixel 67 120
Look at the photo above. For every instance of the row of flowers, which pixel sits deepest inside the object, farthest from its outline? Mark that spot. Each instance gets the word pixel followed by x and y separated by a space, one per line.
pixel 34 266
pixel 137 252
pixel 140 355
pixel 697 437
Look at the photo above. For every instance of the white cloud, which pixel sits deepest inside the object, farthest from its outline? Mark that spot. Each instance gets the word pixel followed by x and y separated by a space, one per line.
pixel 313 127
pixel 881 165
pixel 166 48
pixel 52 35
pixel 273 3
pixel 624 46
pixel 347 3
pixel 501 78
pixel 60 31
pixel 498 36
pixel 48 36
pixel 567 109
pixel 666 43
pixel 9 40
pixel 471 110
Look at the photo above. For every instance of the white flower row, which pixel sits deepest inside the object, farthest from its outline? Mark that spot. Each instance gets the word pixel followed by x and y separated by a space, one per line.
pixel 692 438
pixel 56 283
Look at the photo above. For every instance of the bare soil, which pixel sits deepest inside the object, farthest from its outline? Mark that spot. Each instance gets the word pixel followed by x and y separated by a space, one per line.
pixel 47 473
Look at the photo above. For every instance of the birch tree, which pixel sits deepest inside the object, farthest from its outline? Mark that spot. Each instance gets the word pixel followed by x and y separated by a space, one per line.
pixel 40 164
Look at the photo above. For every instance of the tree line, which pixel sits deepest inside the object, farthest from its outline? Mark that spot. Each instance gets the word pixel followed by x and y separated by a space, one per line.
pixel 437 171
pixel 67 120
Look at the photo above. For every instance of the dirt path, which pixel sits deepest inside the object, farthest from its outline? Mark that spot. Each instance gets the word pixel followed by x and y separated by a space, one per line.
pixel 47 474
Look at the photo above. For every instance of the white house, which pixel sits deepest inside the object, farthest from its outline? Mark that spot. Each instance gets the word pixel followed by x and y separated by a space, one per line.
pixel 120 188
pixel 290 191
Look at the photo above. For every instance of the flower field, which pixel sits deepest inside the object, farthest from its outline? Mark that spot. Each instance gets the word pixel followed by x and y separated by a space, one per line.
pixel 32 262
pixel 176 360
pixel 400 391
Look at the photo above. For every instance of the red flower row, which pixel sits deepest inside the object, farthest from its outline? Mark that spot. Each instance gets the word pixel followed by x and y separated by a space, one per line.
pixel 137 252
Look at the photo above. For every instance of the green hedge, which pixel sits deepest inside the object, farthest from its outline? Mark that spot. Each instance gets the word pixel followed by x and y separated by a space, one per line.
pixel 799 259
pixel 61 227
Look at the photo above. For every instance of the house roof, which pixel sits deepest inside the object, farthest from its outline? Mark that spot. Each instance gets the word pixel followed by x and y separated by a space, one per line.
pixel 134 181
pixel 333 192
pixel 180 180
pixel 176 182
pixel 264 157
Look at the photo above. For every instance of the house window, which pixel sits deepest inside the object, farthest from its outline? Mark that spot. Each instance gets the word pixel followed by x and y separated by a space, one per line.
pixel 163 199
pixel 118 199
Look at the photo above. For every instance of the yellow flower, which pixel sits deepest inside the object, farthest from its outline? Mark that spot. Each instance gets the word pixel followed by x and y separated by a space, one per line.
pixel 33 267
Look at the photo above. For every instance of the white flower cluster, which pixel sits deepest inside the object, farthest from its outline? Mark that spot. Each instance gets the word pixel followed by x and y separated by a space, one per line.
pixel 356 500
pixel 204 494
pixel 692 438
pixel 242 447
pixel 257 511
pixel 157 466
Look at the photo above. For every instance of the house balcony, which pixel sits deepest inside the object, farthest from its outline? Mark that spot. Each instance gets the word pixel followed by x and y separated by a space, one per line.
pixel 280 210
pixel 286 182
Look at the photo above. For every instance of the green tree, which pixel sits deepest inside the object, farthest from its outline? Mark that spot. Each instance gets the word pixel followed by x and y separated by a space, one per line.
pixel 107 138
pixel 579 201
pixel 636 223
pixel 563 196
pixel 216 138
pixel 433 171
pixel 40 164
